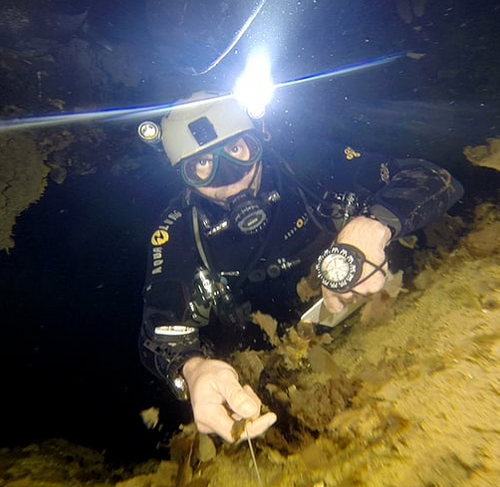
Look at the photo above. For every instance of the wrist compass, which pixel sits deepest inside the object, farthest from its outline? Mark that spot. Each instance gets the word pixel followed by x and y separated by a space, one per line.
pixel 339 267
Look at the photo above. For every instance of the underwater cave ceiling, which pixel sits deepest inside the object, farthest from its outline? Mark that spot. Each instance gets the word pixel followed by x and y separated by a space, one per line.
pixel 64 63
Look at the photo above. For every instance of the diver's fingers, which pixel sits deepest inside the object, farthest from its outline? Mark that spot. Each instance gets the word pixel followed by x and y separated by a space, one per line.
pixel 252 394
pixel 332 301
pixel 258 426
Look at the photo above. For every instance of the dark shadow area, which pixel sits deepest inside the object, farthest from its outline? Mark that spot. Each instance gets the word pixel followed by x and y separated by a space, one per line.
pixel 70 311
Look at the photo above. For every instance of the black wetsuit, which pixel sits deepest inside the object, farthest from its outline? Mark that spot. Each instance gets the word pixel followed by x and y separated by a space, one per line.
pixel 243 270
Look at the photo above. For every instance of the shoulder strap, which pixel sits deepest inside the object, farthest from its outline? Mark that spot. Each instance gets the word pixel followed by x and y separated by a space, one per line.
pixel 197 238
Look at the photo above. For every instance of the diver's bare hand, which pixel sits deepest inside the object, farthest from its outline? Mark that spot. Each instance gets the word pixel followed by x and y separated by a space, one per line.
pixel 218 400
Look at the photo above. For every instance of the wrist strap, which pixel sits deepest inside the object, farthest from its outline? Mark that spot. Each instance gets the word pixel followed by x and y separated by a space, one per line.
pixel 174 377
pixel 376 268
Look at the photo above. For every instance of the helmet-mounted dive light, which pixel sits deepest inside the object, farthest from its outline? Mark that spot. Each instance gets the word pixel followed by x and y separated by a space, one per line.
pixel 150 133
pixel 254 88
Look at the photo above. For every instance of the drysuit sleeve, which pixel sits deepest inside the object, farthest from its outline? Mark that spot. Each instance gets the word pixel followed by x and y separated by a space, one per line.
pixel 408 194
pixel 169 334
pixel 404 194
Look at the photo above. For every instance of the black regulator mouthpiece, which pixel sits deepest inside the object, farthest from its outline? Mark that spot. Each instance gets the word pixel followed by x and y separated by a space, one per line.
pixel 246 213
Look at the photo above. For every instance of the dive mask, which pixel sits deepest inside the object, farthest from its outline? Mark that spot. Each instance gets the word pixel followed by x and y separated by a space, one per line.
pixel 223 164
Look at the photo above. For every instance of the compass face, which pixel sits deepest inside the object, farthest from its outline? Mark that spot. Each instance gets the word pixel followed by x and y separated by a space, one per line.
pixel 336 267
pixel 339 268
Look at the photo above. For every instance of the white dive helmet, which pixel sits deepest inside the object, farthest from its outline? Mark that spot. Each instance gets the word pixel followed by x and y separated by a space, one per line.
pixel 192 129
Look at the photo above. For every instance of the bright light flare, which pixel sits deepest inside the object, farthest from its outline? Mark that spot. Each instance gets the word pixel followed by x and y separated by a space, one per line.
pixel 254 88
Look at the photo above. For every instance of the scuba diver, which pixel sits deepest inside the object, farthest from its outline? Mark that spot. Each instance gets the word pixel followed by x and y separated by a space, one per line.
pixel 247 227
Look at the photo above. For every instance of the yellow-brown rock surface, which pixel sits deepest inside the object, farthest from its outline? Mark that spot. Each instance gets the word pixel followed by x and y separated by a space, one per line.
pixel 487 155
pixel 23 178
pixel 427 387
